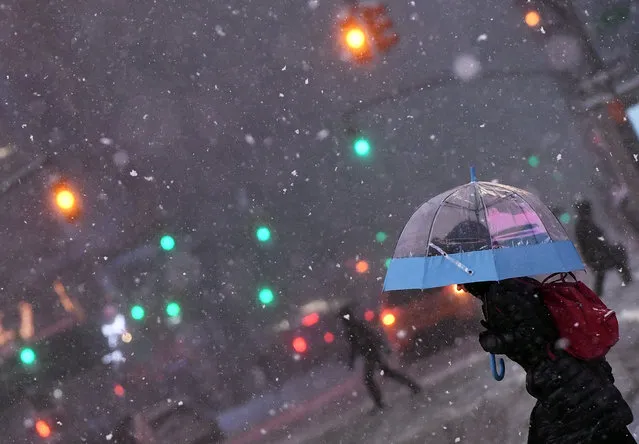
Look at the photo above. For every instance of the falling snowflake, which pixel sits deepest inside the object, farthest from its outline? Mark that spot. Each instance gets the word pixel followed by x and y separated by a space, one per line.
pixel 106 141
pixel 133 173
pixel 466 67
pixel 249 139
pixel 322 134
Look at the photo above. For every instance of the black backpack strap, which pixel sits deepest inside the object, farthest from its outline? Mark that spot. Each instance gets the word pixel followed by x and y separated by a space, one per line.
pixel 558 277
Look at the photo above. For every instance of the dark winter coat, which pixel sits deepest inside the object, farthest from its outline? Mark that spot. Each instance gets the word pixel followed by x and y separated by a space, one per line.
pixel 363 340
pixel 597 252
pixel 577 401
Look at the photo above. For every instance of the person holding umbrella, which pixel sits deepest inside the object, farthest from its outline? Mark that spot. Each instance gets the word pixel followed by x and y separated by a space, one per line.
pixel 490 238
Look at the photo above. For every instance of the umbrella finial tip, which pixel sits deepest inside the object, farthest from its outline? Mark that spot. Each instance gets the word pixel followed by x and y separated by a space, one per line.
pixel 473 177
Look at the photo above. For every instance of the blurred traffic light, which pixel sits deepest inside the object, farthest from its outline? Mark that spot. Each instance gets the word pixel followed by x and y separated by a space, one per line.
pixel 173 309
pixel 532 18
pixel 367 29
pixel 356 40
pixel 361 266
pixel 263 234
pixel 310 320
pixel 119 391
pixel 533 161
pixel 299 345
pixel 381 237
pixel 388 319
pixel 42 428
pixel 329 337
pixel 362 147
pixel 565 218
pixel 137 312
pixel 369 315
pixel 266 296
pixel 167 242
pixel 28 356
pixel 66 200
pixel 387 262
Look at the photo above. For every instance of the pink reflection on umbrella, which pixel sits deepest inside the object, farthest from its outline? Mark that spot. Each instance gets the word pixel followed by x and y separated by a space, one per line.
pixel 505 226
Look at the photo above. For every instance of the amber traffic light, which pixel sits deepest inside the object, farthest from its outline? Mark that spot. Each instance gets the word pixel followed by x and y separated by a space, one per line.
pixel 532 18
pixel 355 39
pixel 367 30
pixel 66 200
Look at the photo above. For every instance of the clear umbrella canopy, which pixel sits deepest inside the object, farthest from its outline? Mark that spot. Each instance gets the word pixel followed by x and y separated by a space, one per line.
pixel 478 216
pixel 487 231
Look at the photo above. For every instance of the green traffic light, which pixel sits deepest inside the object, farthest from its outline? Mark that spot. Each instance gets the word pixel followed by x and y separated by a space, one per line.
pixel 387 262
pixel 27 356
pixel 167 242
pixel 173 309
pixel 362 147
pixel 381 237
pixel 137 312
pixel 266 296
pixel 534 161
pixel 564 218
pixel 263 234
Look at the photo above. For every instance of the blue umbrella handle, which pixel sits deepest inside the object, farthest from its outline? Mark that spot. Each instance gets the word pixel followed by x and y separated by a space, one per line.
pixel 497 374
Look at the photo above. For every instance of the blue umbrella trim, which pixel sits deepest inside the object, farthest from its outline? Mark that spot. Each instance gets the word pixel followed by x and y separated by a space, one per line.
pixel 487 265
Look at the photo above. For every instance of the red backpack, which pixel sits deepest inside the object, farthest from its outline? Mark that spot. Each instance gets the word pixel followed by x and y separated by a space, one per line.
pixel 589 328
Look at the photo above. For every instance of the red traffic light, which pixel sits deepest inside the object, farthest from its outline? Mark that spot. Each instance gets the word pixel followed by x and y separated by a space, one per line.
pixel 119 391
pixel 310 320
pixel 299 345
pixel 329 337
pixel 369 315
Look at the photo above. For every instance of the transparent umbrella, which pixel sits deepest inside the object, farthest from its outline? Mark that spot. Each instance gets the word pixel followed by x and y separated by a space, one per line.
pixel 478 232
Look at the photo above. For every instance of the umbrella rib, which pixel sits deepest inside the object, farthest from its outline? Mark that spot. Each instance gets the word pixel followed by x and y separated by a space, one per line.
pixel 430 231
pixel 483 204
pixel 448 258
pixel 490 236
